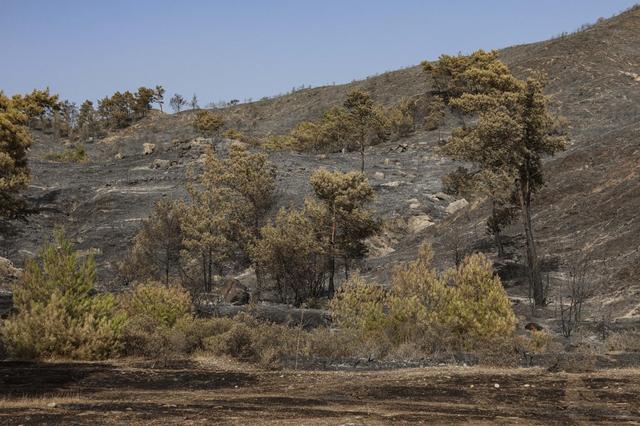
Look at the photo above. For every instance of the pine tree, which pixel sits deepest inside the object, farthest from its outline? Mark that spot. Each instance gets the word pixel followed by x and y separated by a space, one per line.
pixel 513 131
pixel 158 96
pixel 14 142
pixel 344 196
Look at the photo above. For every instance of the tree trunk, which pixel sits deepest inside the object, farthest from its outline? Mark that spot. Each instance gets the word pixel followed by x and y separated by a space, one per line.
pixel 535 280
pixel 346 268
pixel 332 258
pixel 497 233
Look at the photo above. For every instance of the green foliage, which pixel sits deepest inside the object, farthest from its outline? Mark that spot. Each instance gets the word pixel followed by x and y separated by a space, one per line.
pixel 75 153
pixel 208 123
pixel 291 254
pixel 360 306
pixel 122 109
pixel 162 305
pixel 39 106
pixel 14 142
pixel 156 251
pixel 227 209
pixel 462 308
pixel 402 118
pixel 512 132
pixel 57 313
pixel 87 123
pixel 347 221
pixel 435 114
pixel 160 324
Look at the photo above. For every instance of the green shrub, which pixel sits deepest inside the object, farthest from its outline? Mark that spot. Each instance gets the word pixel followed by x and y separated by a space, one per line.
pixel 465 308
pixel 160 324
pixel 162 305
pixel 57 313
pixel 71 154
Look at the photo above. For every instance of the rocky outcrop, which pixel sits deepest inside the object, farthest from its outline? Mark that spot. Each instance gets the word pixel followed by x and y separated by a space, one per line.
pixel 8 273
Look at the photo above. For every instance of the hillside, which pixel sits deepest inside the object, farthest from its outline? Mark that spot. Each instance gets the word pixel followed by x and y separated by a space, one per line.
pixel 590 204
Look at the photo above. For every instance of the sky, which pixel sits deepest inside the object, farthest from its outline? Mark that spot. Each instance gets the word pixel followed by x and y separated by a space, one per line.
pixel 239 49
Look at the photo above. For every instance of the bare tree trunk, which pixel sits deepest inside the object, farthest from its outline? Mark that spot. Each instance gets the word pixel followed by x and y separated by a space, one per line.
pixel 535 280
pixel 332 258
pixel 497 233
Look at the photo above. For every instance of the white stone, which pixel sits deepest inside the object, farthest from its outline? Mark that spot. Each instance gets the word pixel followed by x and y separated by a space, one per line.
pixel 457 206
pixel 419 223
pixel 148 148
pixel 378 175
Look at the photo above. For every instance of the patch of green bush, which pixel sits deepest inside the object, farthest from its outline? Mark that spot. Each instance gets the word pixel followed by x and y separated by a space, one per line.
pixel 57 314
pixel 463 308
pixel 71 154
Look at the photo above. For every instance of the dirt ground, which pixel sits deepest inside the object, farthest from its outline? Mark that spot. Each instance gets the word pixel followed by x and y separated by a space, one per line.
pixel 206 392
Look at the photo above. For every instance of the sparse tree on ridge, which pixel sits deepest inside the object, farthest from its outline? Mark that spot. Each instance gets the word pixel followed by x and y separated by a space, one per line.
pixel 158 96
pixel 194 102
pixel 177 102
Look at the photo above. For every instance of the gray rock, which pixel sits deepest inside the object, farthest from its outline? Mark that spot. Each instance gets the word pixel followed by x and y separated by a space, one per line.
pixel 456 206
pixel 148 148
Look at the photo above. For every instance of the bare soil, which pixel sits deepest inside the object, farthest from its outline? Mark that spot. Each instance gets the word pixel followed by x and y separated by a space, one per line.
pixel 206 392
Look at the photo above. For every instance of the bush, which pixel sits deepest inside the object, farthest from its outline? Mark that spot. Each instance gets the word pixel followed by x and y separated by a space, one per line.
pixel 464 308
pixel 57 313
pixel 160 324
pixel 162 305
pixel 253 341
pixel 71 154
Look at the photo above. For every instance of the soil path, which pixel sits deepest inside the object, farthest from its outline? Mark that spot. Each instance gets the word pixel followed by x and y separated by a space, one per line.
pixel 205 393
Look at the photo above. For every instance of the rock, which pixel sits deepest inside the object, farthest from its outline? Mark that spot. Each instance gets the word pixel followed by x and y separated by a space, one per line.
pixel 52 405
pixel 442 196
pixel 414 203
pixel 456 206
pixel 119 156
pixel 496 385
pixel 419 223
pixel 8 272
pixel 393 184
pixel 234 292
pixel 378 175
pixel 148 148
pixel 160 164
pixel 532 326
pixel 248 278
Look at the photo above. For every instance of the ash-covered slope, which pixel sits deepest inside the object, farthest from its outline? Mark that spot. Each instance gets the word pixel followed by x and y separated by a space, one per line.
pixel 590 204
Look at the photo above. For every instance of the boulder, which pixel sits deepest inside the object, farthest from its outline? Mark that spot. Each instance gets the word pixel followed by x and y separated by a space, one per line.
pixel 8 272
pixel 393 184
pixel 160 164
pixel 378 175
pixel 419 223
pixel 456 206
pixel 234 292
pixel 148 148
pixel 119 156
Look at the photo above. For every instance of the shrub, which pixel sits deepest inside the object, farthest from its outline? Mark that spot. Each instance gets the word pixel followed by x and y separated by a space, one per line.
pixel 464 308
pixel 253 341
pixel 71 154
pixel 163 305
pixel 160 324
pixel 57 313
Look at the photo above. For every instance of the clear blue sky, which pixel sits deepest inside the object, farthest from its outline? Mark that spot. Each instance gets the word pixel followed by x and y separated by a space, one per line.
pixel 251 48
